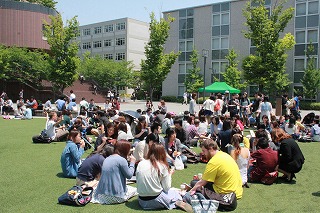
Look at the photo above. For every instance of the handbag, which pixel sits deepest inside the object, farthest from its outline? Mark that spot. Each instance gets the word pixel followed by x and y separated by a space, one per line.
pixel 76 196
pixel 204 206
pixel 178 164
pixel 227 202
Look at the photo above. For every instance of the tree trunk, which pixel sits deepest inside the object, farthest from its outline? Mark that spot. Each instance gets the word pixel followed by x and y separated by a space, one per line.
pixel 260 88
pixel 150 93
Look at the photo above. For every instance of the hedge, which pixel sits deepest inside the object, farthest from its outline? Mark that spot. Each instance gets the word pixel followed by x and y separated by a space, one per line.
pixel 309 105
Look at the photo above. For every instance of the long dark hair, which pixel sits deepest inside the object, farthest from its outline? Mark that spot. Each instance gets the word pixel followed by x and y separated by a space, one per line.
pixel 157 154
pixel 106 151
pixel 235 141
pixel 226 125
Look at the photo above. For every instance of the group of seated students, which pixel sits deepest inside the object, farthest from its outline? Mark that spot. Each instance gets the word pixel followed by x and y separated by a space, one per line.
pixel 111 164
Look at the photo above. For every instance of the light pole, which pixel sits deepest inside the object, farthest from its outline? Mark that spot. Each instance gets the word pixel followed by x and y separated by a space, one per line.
pixel 205 54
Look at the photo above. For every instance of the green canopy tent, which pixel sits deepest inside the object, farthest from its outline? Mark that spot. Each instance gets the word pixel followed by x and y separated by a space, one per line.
pixel 219 87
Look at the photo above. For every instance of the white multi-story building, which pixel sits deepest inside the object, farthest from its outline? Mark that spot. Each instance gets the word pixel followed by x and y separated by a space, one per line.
pixel 218 28
pixel 120 39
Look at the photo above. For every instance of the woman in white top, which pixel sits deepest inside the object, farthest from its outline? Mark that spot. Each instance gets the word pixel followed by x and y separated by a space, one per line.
pixel 292 129
pixel 241 155
pixel 154 181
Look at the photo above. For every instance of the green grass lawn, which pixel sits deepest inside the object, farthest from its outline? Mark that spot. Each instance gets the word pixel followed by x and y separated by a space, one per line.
pixel 31 179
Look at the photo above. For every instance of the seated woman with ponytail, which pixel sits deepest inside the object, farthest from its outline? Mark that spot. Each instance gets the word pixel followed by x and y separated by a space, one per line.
pixel 241 155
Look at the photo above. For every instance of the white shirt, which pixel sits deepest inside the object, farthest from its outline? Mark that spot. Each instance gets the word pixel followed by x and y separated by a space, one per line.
pixel 84 103
pixel 138 152
pixel 72 96
pixel 148 181
pixel 209 105
pixel 51 129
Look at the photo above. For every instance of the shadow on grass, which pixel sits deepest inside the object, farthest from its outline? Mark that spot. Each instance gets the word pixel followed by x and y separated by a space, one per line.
pixel 134 204
pixel 283 181
pixel 317 194
pixel 60 175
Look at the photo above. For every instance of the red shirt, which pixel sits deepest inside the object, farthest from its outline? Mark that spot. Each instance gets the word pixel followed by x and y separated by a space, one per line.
pixel 266 162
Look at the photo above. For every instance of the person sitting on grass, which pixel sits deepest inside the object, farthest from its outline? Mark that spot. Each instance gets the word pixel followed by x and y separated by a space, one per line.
pixel 292 129
pixel 221 176
pixel 53 121
pixel 154 181
pixel 70 157
pixel 90 170
pixel 112 188
pixel 174 147
pixel 315 131
pixel 266 161
pixel 241 155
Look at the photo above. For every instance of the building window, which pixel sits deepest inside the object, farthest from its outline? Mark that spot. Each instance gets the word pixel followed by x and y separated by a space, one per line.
pixel 108 28
pixel 120 41
pixel 86 45
pixel 108 56
pixel 96 44
pixel 108 43
pixel 218 67
pixel 97 30
pixel 121 26
pixel 181 90
pixel 185 47
pixel 120 56
pixel 86 32
pixel 186 24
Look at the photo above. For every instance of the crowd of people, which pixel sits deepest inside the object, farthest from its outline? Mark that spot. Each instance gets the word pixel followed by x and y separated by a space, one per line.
pixel 128 146
pixel 147 145
pixel 24 107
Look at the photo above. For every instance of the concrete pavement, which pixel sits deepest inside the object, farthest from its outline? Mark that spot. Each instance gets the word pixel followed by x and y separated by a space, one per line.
pixel 175 107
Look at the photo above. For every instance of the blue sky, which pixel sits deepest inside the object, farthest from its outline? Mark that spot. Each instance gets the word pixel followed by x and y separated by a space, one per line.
pixel 92 11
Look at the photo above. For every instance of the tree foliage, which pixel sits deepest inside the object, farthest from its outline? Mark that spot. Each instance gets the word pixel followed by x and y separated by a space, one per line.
pixel 232 75
pixel 63 58
pixel 194 80
pixel 22 64
pixel 157 64
pixel 107 73
pixel 311 78
pixel 266 67
pixel 46 3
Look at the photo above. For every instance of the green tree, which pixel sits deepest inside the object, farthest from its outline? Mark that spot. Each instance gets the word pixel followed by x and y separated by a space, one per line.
pixel 157 64
pixel 311 78
pixel 266 67
pixel 46 3
pixel 232 75
pixel 22 64
pixel 107 73
pixel 63 58
pixel 194 80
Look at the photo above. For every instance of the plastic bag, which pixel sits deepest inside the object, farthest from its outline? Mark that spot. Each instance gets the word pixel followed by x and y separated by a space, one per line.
pixel 178 164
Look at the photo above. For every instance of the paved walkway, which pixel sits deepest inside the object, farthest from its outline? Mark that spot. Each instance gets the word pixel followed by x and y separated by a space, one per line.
pixel 175 107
